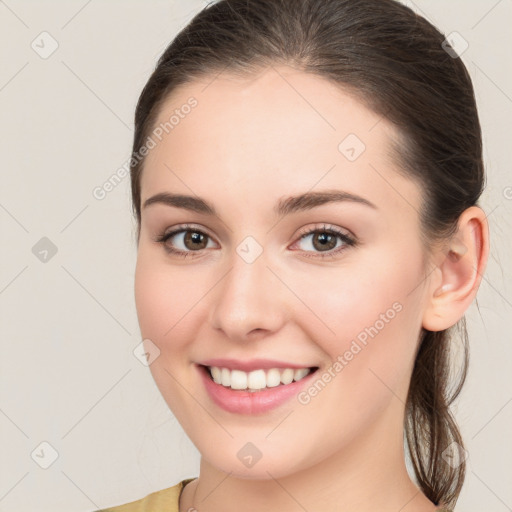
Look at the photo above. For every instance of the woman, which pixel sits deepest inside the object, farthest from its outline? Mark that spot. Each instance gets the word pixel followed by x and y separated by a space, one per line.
pixel 305 181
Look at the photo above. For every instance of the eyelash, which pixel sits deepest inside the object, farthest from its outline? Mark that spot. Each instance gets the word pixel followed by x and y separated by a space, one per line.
pixel 348 241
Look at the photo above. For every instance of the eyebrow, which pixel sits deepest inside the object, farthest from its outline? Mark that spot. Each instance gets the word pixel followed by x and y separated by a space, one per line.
pixel 284 206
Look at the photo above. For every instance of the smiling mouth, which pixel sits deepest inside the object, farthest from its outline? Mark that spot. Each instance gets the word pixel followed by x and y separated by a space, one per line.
pixel 256 380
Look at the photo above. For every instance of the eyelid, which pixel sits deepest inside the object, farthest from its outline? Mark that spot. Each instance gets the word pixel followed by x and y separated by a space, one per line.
pixel 322 226
pixel 185 227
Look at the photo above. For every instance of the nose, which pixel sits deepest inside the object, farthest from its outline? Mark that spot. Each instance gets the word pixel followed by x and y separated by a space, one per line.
pixel 249 301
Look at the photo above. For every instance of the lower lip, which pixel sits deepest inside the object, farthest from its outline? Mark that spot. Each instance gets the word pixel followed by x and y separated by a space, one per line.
pixel 248 402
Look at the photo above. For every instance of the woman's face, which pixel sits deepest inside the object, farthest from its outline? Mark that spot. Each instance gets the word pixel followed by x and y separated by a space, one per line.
pixel 267 276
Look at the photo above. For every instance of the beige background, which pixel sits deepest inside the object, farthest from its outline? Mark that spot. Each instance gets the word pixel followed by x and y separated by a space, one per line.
pixel 68 324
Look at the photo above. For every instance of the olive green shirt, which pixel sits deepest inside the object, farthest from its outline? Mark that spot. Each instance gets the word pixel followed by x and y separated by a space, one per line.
pixel 166 500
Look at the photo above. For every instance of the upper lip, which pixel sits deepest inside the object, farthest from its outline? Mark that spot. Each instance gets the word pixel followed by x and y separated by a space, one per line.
pixel 253 364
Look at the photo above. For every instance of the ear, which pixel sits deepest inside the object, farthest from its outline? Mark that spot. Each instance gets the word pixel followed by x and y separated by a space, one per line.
pixel 459 271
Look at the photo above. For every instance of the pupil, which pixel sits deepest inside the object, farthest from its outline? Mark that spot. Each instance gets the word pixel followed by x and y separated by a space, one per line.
pixel 194 237
pixel 325 239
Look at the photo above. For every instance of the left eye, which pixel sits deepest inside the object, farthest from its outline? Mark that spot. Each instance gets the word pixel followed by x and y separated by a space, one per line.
pixel 321 240
pixel 325 240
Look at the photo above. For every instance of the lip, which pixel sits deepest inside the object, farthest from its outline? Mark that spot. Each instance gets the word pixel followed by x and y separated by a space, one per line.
pixel 248 402
pixel 253 364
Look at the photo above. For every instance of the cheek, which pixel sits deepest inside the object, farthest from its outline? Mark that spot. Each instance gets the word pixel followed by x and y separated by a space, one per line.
pixel 347 302
pixel 161 313
pixel 366 305
pixel 158 303
pixel 168 301
pixel 150 298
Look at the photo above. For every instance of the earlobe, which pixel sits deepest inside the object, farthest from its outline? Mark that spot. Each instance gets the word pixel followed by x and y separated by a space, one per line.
pixel 459 272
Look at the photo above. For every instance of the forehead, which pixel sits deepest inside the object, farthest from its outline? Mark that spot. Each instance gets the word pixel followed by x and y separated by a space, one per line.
pixel 279 105
pixel 281 129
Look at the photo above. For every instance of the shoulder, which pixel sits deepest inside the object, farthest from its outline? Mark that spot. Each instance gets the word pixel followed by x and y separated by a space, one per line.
pixel 165 499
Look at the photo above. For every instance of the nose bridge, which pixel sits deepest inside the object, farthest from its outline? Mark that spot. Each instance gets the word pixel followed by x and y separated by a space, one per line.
pixel 248 297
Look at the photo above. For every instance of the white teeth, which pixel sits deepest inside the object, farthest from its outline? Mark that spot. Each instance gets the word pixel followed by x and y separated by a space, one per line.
pixel 216 374
pixel 257 379
pixel 238 379
pixel 300 373
pixel 273 378
pixel 225 377
pixel 287 376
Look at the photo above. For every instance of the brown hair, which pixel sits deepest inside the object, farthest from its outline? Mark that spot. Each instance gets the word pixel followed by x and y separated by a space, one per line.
pixel 394 62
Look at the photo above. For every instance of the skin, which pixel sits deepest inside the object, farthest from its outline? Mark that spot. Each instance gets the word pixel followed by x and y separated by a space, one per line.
pixel 247 144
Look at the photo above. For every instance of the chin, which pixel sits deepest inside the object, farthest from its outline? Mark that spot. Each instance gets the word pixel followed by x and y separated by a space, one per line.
pixel 273 463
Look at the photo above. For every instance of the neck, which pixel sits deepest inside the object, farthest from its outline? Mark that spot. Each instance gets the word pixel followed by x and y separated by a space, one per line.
pixel 367 474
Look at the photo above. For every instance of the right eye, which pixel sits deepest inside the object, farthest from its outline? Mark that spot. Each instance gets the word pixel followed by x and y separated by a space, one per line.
pixel 188 237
